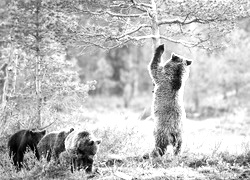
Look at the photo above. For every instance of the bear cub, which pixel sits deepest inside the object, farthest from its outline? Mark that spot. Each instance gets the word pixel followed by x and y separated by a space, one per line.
pixel 82 146
pixel 167 108
pixel 20 141
pixel 52 144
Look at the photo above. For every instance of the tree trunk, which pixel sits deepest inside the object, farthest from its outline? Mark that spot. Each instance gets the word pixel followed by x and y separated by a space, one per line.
pixel 236 87
pixel 5 83
pixel 196 102
pixel 155 27
pixel 38 68
pixel 224 89
pixel 15 74
pixel 38 93
pixel 138 65
pixel 128 92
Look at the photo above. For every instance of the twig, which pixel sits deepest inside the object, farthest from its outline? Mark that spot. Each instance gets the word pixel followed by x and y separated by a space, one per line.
pixel 133 31
pixel 141 4
pixel 48 125
pixel 101 13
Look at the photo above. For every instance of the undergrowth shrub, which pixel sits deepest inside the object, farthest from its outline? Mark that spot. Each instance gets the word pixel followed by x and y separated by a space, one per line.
pixel 120 137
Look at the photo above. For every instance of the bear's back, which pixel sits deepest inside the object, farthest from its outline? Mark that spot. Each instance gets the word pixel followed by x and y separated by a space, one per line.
pixel 48 140
pixel 22 139
pixel 60 140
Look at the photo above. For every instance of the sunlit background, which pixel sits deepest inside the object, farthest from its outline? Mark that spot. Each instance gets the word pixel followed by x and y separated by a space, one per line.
pixel 87 68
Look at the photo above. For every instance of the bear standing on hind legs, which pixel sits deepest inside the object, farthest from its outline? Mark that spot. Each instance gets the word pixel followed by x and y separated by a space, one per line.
pixel 167 108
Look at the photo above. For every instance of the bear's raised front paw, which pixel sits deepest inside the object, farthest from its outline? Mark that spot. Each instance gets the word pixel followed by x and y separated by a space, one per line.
pixel 160 48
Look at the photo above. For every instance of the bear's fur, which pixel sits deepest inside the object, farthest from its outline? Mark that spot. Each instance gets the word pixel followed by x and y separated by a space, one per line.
pixel 22 139
pixel 52 144
pixel 167 108
pixel 82 146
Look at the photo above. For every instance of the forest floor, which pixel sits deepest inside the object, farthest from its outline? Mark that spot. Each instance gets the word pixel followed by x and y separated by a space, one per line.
pixel 214 148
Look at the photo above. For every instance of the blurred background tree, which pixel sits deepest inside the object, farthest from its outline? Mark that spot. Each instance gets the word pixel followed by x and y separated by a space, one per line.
pixel 185 27
pixel 37 73
pixel 53 48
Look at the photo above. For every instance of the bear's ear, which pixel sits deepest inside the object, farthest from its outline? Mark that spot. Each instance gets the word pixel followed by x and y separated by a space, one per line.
pixel 30 131
pixel 174 57
pixel 98 141
pixel 71 129
pixel 188 62
pixel 91 142
pixel 43 132
pixel 33 131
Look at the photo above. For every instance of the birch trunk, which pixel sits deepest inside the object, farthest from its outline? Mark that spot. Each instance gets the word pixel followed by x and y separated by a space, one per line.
pixel 15 74
pixel 155 27
pixel 5 87
pixel 38 68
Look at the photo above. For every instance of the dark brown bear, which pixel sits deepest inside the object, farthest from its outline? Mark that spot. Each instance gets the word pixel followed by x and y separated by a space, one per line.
pixel 82 146
pixel 19 142
pixel 53 144
pixel 168 108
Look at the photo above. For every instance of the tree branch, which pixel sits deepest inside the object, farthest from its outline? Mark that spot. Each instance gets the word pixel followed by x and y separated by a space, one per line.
pixel 141 4
pixel 178 21
pixel 138 38
pixel 101 13
pixel 185 22
pixel 122 15
pixel 92 43
pixel 125 38
pixel 133 31
pixel 184 43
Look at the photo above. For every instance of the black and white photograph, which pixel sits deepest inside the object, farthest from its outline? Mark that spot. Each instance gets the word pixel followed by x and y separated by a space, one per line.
pixel 125 89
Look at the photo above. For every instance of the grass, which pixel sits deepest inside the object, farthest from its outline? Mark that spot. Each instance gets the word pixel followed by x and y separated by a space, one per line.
pixel 212 149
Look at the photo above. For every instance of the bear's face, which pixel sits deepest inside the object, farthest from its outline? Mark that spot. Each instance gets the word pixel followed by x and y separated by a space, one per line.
pixel 88 146
pixel 176 71
pixel 36 135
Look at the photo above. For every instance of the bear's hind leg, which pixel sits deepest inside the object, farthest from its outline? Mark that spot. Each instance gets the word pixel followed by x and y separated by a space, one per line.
pixel 177 147
pixel 19 160
pixel 48 155
pixel 89 165
pixel 161 144
pixel 14 158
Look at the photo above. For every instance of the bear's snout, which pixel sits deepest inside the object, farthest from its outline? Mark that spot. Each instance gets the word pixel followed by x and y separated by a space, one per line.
pixel 188 62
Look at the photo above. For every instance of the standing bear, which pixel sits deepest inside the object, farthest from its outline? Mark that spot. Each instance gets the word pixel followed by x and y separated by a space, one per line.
pixel 52 144
pixel 81 147
pixel 19 142
pixel 168 109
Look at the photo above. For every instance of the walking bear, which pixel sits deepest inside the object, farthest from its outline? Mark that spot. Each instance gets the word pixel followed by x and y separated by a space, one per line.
pixel 22 139
pixel 82 146
pixel 52 144
pixel 167 107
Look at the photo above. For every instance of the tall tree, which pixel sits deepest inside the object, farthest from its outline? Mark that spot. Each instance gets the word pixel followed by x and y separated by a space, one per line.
pixel 194 23
pixel 109 24
pixel 38 30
